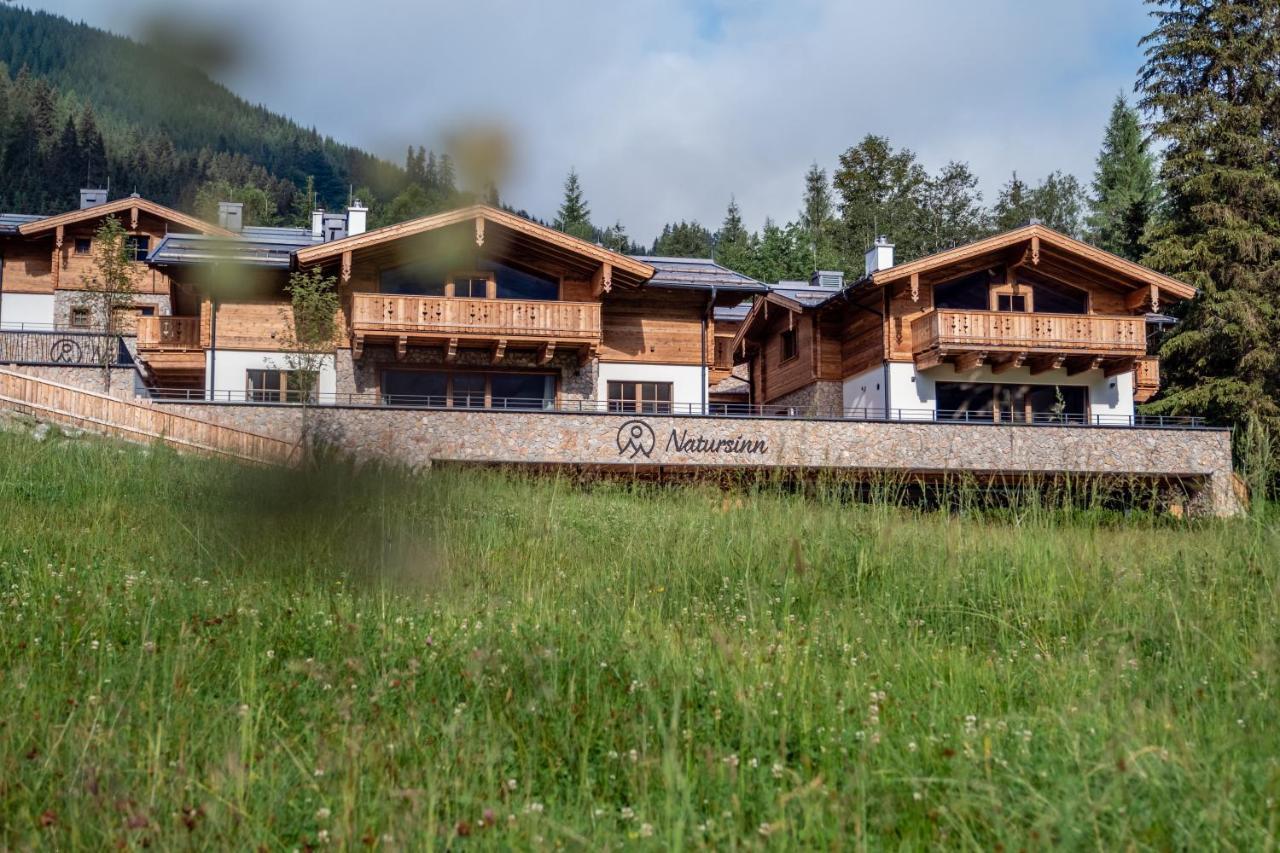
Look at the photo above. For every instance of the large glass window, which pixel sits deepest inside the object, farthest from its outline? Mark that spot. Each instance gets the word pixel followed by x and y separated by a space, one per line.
pixel 521 284
pixel 468 389
pixel 281 386
pixel 647 397
pixel 412 280
pixel 1011 403
pixel 970 293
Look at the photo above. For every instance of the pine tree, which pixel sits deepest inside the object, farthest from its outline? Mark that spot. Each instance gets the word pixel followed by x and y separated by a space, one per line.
pixel 615 239
pixel 732 242
pixel 574 217
pixel 93 149
pixel 1014 206
pixel 818 224
pixel 781 254
pixel 1210 89
pixel 683 240
pixel 1125 190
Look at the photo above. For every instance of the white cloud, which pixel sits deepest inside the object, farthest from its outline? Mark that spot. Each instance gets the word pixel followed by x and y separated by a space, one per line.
pixel 667 108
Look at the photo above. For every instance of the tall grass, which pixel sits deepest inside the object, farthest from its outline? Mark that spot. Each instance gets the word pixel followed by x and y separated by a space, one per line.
pixel 194 654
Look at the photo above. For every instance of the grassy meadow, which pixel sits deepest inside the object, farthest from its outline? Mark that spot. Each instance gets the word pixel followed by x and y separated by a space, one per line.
pixel 196 655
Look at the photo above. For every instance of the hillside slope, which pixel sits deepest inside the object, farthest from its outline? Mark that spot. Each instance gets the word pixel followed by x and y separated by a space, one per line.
pixel 165 127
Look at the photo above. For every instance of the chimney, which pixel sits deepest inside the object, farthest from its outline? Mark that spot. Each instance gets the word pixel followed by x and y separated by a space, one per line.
pixel 231 215
pixel 357 218
pixel 92 198
pixel 880 255
pixel 827 279
pixel 317 222
pixel 334 226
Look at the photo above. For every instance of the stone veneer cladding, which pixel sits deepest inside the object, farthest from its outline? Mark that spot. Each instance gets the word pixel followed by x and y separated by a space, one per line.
pixel 1202 457
pixel 822 398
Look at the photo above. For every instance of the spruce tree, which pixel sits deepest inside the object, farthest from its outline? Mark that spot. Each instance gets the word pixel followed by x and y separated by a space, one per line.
pixel 574 217
pixel 1212 94
pixel 732 242
pixel 683 240
pixel 818 225
pixel 1014 206
pixel 615 239
pixel 1125 190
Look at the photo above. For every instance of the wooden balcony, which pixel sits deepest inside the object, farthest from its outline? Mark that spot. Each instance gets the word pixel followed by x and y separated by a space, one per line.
pixel 170 348
pixel 451 321
pixel 1003 339
pixel 1146 378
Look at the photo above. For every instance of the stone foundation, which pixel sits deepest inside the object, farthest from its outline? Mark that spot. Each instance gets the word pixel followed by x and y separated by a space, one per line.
pixel 823 399
pixel 1199 460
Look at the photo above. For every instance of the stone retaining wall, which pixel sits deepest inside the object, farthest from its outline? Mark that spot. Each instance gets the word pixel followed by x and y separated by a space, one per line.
pixel 1198 458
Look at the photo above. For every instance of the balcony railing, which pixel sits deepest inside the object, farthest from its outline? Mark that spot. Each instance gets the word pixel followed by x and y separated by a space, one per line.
pixel 169 333
pixel 374 313
pixel 1146 378
pixel 1069 334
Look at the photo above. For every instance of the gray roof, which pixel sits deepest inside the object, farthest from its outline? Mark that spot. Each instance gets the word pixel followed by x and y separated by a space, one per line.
pixel 803 292
pixel 698 274
pixel 257 246
pixel 730 313
pixel 9 222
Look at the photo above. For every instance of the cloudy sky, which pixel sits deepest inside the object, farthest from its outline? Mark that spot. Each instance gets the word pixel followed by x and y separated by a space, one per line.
pixel 667 108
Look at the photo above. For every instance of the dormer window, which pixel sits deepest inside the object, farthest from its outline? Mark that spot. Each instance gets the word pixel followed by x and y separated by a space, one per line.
pixel 1015 298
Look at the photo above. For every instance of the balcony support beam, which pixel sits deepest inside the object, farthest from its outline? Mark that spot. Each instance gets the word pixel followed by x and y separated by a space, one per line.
pixel 402 347
pixel 547 352
pixel 970 361
pixel 499 351
pixel 1077 366
pixel 602 280
pixel 451 351
pixel 1120 366
pixel 1045 363
pixel 1018 360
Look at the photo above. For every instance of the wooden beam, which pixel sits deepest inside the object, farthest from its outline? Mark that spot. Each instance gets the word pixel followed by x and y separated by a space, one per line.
pixel 1045 363
pixel 346 267
pixel 479 231
pixel 357 346
pixel 133 217
pixel 1119 366
pixel 1076 366
pixel 547 353
pixel 1035 250
pixel 970 361
pixel 602 280
pixel 929 359
pixel 1018 360
pixel 1147 297
pixel 915 287
pixel 585 354
pixel 499 350
pixel 451 351
pixel 402 347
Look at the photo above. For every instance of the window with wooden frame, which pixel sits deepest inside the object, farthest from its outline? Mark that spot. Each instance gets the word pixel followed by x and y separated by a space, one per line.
pixel 84 245
pixel 650 398
pixel 790 344
pixel 471 285
pixel 468 389
pixel 279 386
pixel 138 246
pixel 1017 298
pixel 81 317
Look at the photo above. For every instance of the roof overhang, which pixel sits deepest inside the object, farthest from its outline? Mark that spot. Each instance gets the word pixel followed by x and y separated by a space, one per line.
pixel 759 315
pixel 492 226
pixel 1032 245
pixel 132 206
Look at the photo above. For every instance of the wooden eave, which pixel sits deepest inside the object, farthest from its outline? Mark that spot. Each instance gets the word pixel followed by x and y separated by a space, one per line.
pixel 1076 253
pixel 122 205
pixel 529 236
pixel 759 314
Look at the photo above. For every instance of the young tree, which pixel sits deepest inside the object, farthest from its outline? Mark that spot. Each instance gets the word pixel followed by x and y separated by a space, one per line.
pixel 309 337
pixel 1059 203
pixel 1125 190
pixel 1211 92
pixel 574 216
pixel 732 242
pixel 1014 207
pixel 109 288
pixel 615 239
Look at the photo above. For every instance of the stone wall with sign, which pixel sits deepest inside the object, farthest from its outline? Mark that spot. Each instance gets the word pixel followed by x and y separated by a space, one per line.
pixel 1198 458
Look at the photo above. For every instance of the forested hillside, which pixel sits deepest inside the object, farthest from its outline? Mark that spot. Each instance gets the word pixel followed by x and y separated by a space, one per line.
pixel 78 104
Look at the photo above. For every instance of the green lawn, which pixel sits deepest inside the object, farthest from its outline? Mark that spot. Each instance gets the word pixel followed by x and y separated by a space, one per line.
pixel 194 654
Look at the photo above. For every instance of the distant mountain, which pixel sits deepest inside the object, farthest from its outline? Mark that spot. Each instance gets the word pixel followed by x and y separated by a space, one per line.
pixel 79 103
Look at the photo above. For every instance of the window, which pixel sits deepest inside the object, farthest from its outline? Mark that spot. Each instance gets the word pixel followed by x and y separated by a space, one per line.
pixel 147 310
pixel 647 397
pixel 137 246
pixel 467 389
pixel 471 285
pixel 522 284
pixel 790 346
pixel 83 245
pixel 1010 403
pixel 81 317
pixel 281 386
pixel 411 280
pixel 1011 302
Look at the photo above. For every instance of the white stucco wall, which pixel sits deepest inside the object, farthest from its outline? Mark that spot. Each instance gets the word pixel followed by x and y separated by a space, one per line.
pixel 865 391
pixel 687 381
pixel 229 377
pixel 32 310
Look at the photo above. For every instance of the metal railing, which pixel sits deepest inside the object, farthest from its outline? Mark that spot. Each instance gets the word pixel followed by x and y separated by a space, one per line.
pixel 91 329
pixel 63 348
pixel 713 410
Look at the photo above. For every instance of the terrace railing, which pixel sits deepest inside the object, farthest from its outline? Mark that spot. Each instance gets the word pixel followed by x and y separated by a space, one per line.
pixel 1085 334
pixel 62 348
pixel 169 333
pixel 450 315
